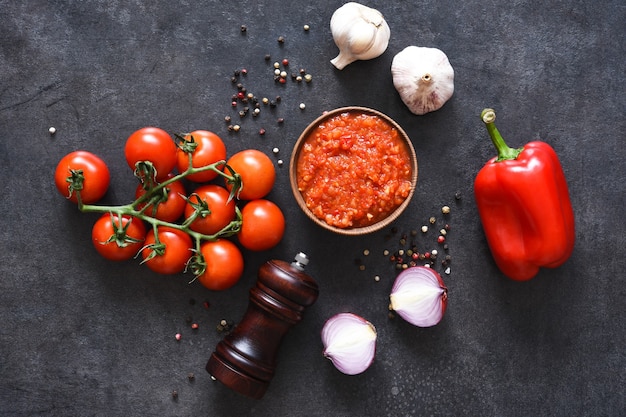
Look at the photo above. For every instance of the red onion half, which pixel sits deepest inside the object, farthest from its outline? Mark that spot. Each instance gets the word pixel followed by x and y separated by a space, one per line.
pixel 349 342
pixel 419 296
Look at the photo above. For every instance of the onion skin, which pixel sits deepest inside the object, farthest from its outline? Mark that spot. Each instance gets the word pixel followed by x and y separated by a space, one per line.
pixel 349 342
pixel 419 296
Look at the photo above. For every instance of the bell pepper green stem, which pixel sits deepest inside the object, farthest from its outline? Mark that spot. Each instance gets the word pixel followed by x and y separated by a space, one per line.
pixel 505 152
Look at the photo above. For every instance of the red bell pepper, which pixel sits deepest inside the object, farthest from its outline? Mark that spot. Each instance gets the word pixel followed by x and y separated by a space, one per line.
pixel 524 206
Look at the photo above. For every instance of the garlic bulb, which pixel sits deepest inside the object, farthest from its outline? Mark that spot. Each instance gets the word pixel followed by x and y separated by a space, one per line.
pixel 423 77
pixel 359 32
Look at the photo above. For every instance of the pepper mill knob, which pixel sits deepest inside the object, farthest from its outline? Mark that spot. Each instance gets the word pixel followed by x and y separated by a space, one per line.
pixel 246 358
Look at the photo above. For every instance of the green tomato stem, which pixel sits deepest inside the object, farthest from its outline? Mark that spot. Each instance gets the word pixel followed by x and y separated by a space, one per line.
pixel 131 209
pixel 505 152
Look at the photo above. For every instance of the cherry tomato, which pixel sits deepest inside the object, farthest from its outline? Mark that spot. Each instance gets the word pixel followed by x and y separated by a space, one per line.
pixel 171 209
pixel 257 173
pixel 95 173
pixel 262 225
pixel 209 150
pixel 222 211
pixel 178 250
pixel 115 241
pixel 154 145
pixel 224 264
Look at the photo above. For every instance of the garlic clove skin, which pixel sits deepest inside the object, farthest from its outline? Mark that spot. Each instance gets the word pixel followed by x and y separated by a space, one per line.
pixel 360 33
pixel 423 77
pixel 349 342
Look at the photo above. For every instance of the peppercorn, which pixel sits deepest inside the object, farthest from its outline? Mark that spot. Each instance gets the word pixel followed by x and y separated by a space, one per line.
pixel 191 377
pixel 285 62
pixel 227 119
pixel 244 28
pixel 441 239
pixel 308 78
pixel 280 120
pixel 432 220
pixel 268 57
pixel 261 131
pixel 306 28
pixel 281 39
pixel 445 210
pixel 457 195
pixel 194 326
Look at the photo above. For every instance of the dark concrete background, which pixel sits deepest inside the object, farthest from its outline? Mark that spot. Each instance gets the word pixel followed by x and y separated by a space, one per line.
pixel 81 336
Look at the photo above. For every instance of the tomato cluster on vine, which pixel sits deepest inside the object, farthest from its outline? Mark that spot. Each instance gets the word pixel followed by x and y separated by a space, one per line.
pixel 171 229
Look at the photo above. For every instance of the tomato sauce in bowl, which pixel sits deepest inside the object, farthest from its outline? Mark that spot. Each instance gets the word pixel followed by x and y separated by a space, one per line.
pixel 353 170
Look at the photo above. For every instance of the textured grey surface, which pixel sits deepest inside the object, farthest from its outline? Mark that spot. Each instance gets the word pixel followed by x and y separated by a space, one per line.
pixel 81 336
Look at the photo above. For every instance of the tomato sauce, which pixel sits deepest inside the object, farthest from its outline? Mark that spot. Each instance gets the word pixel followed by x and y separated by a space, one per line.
pixel 353 170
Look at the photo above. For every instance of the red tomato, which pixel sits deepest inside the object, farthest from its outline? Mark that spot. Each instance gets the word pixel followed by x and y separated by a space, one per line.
pixel 224 264
pixel 171 209
pixel 209 150
pixel 154 145
pixel 222 210
pixel 262 225
pixel 257 173
pixel 178 250
pixel 115 241
pixel 95 172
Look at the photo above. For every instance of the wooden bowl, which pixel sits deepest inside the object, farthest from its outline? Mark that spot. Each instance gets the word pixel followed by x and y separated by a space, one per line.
pixel 364 229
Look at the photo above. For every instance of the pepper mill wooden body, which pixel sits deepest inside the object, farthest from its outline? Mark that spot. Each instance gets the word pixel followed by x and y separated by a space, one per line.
pixel 246 358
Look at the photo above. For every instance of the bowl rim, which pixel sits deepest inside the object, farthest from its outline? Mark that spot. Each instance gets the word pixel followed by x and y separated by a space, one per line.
pixel 352 231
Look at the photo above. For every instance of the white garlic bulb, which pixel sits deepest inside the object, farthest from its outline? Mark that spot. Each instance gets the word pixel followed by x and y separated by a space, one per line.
pixel 359 32
pixel 423 77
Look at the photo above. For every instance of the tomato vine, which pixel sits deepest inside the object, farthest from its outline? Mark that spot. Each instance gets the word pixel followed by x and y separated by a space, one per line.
pixel 155 193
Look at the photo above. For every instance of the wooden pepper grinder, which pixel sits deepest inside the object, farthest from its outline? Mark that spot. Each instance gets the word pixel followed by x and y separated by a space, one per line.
pixel 245 360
